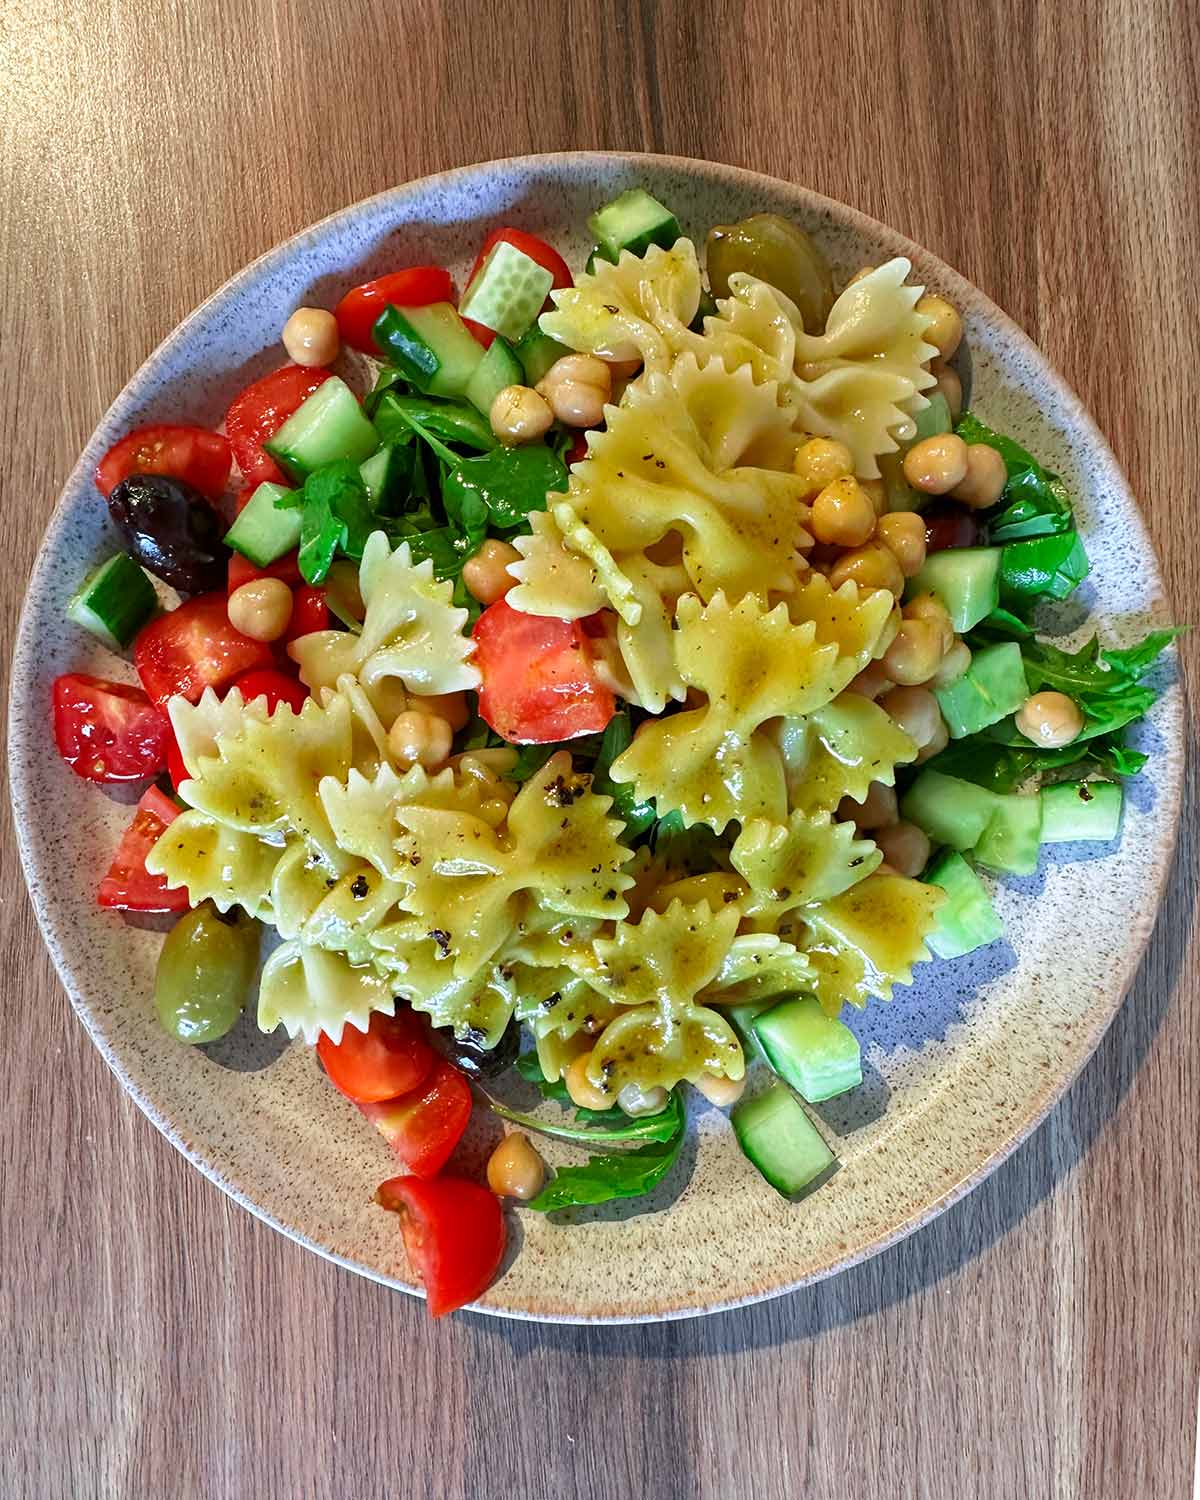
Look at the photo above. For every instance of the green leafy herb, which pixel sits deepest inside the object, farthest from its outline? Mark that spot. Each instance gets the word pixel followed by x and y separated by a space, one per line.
pixel 1035 501
pixel 336 517
pixel 1047 567
pixel 506 484
pixel 531 758
pixel 1003 768
pixel 616 738
pixel 624 1174
pixel 610 1126
pixel 389 379
pixel 452 421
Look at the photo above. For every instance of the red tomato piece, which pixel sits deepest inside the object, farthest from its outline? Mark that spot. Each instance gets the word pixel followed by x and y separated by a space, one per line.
pixel 108 731
pixel 424 1126
pixel 193 454
pixel 530 245
pixel 391 1057
pixel 258 413
pixel 128 886
pixel 194 647
pixel 310 612
pixel 949 525
pixel 454 1235
pixel 242 570
pixel 578 450
pixel 415 287
pixel 276 687
pixel 539 680
pixel 176 769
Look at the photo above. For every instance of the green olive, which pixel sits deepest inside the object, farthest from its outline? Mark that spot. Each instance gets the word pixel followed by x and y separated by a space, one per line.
pixel 778 252
pixel 204 972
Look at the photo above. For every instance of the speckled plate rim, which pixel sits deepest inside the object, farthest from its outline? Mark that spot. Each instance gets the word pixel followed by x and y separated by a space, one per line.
pixel 1169 760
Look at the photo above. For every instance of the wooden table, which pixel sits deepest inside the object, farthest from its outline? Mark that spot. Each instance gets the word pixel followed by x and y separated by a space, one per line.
pixel 1042 1339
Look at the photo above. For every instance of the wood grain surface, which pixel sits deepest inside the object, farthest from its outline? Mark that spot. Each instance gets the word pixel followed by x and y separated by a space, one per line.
pixel 1041 1339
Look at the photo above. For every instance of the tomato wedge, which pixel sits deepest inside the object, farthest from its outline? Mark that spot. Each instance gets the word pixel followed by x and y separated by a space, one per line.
pixel 391 1057
pixel 454 1235
pixel 275 686
pixel 128 886
pixel 539 679
pixel 242 570
pixel 416 287
pixel 424 1126
pixel 194 647
pixel 310 612
pixel 949 525
pixel 258 413
pixel 176 769
pixel 529 244
pixel 193 454
pixel 107 731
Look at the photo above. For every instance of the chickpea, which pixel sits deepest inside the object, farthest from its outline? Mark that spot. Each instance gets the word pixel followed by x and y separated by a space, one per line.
pixel 871 567
pixel 584 1093
pixel 720 1090
pixel 936 464
pixel 930 607
pixel 449 706
pixel 905 848
pixel 486 574
pixel 515 1170
pixel 878 809
pixel 915 653
pixel 310 336
pixel 954 665
pixel 623 369
pixel 903 534
pixel 420 739
pixel 949 383
pixel 577 386
pixel 872 681
pixel 821 461
pixel 635 1100
pixel 935 746
pixel 842 514
pixel 1049 719
pixel 946 330
pixel 916 711
pixel 519 415
pixel 985 478
pixel 261 609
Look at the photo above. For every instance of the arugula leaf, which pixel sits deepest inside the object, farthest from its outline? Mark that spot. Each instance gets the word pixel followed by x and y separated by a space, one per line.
pixel 452 421
pixel 530 1069
pixel 531 758
pixel 507 483
pixel 1003 768
pixel 389 379
pixel 321 534
pixel 1036 500
pixel 1044 567
pixel 625 1174
pixel 617 738
pixel 611 1126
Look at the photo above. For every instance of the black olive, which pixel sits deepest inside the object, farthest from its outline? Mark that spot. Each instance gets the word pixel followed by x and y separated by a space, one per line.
pixel 476 1060
pixel 172 530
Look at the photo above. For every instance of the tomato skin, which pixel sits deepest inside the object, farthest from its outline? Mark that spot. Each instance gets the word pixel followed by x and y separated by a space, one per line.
pixel 194 647
pixel 545 255
pixel 949 525
pixel 128 886
pixel 539 681
pixel 107 731
pixel 258 412
pixel 242 570
pixel 360 307
pixel 176 768
pixel 310 612
pixel 275 686
pixel 454 1235
pixel 392 1057
pixel 424 1126
pixel 192 454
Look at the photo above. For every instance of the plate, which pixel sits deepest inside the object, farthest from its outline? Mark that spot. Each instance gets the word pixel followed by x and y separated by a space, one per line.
pixel 957 1069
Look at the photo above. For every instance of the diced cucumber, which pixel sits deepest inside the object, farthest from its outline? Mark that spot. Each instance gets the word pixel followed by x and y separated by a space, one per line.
pixel 948 810
pixel 934 419
pixel 898 494
pixel 498 368
pixel 431 346
pixel 993 687
pixel 741 1018
pixel 1010 841
pixel 537 351
pixel 385 475
pixel 507 292
pixel 1046 567
pixel 114 601
pixel 329 426
pixel 634 222
pixel 262 533
pixel 966 920
pixel 782 1142
pixel 817 1055
pixel 965 579
pixel 1078 811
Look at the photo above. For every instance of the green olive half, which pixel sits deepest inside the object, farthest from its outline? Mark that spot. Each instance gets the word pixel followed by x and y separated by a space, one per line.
pixel 778 252
pixel 204 973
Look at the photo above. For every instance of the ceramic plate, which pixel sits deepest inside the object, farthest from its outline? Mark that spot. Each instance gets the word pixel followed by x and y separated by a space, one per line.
pixel 958 1069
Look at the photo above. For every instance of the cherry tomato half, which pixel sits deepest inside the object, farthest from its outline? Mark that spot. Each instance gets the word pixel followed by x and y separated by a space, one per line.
pixel 424 1126
pixel 275 686
pixel 454 1235
pixel 242 570
pixel 192 454
pixel 108 731
pixel 310 613
pixel 194 647
pixel 128 886
pixel 415 287
pixel 391 1057
pixel 258 413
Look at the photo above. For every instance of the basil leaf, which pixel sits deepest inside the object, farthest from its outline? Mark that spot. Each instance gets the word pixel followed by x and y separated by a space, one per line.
pixel 388 379
pixel 626 1174
pixel 1035 500
pixel 509 483
pixel 452 421
pixel 1046 567
pixel 321 535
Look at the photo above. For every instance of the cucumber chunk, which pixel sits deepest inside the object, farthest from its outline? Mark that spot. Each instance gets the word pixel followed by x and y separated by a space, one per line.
pixel 114 601
pixel 431 346
pixel 507 292
pixel 993 687
pixel 1011 840
pixel 537 351
pixel 741 1018
pixel 782 1142
pixel 1079 811
pixel 965 579
pixel 817 1055
pixel 934 419
pixel 327 427
pixel 633 222
pixel 950 811
pixel 498 368
pixel 262 533
pixel 966 920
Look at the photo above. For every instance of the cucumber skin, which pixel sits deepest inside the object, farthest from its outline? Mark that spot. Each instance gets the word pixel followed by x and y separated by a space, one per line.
pixel 431 345
pixel 771 1114
pixel 1068 818
pixel 498 369
pixel 287 530
pixel 356 438
pixel 966 920
pixel 138 601
pixel 633 221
